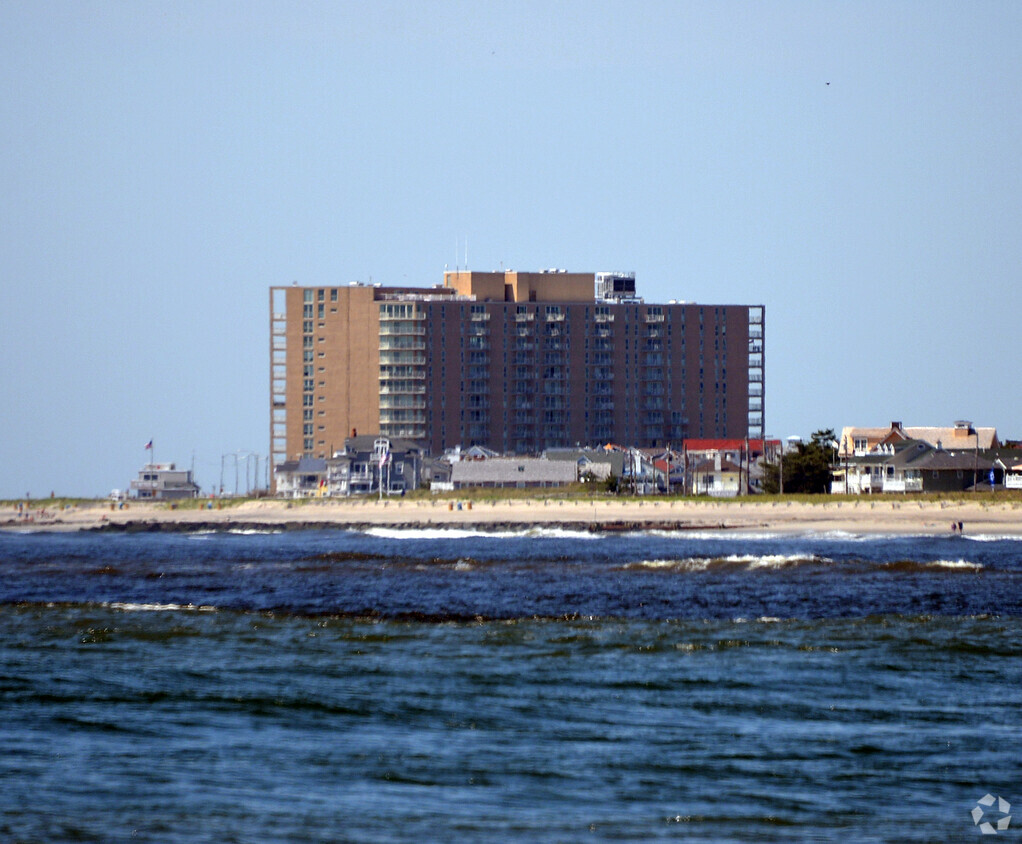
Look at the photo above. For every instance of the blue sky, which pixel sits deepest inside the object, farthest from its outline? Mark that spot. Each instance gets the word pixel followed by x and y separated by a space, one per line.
pixel 164 164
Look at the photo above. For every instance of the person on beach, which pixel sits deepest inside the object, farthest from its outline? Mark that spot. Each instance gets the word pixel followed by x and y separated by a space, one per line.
pixel 954 527
pixel 961 528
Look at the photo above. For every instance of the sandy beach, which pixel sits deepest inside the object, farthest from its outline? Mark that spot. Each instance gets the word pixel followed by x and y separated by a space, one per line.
pixel 864 516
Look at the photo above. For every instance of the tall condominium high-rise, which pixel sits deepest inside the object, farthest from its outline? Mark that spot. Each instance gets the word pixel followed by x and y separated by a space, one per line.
pixel 518 362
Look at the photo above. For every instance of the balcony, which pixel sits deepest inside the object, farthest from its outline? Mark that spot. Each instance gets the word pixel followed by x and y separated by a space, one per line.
pixel 401 403
pixel 401 417
pixel 480 317
pixel 386 389
pixel 397 329
pixel 401 344
pixel 405 430
pixel 554 317
pixel 410 358
pixel 529 317
pixel 416 315
pixel 401 373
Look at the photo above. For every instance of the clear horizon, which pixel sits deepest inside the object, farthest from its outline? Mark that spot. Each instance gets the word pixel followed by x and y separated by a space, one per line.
pixel 854 168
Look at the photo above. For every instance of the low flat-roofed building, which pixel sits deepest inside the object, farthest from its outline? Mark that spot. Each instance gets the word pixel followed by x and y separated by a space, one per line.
pixel 513 472
pixel 164 482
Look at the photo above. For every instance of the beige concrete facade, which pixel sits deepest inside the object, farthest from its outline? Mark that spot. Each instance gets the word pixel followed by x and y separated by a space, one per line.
pixel 518 362
pixel 332 367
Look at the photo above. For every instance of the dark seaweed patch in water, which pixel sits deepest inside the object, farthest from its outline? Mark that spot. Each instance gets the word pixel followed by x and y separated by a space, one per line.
pixel 103 570
pixel 346 556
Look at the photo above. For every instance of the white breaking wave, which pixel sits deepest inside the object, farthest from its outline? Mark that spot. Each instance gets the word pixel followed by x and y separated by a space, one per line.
pixel 467 533
pixel 129 607
pixel 961 565
pixel 763 619
pixel 751 561
pixel 991 537
pixel 254 531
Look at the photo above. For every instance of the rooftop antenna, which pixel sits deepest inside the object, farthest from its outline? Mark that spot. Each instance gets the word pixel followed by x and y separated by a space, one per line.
pixel 466 252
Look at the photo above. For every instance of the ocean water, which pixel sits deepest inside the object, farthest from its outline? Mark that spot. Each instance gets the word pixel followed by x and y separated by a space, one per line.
pixel 410 685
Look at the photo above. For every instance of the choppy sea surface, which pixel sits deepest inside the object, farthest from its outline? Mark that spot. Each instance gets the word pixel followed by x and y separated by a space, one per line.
pixel 412 685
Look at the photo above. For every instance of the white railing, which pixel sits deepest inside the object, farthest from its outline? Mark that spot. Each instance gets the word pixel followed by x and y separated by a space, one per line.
pixel 903 485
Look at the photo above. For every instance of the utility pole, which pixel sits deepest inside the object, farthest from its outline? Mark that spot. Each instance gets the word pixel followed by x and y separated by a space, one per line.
pixel 780 469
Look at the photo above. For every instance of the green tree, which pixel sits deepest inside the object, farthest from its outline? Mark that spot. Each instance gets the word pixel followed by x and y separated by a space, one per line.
pixel 807 468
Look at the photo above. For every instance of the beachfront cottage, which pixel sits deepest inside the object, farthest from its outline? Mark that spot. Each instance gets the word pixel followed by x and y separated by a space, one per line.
pixel 366 464
pixel 717 477
pixel 303 478
pixel 394 463
pixel 737 465
pixel 859 442
pixel 593 464
pixel 912 466
pixel 511 472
